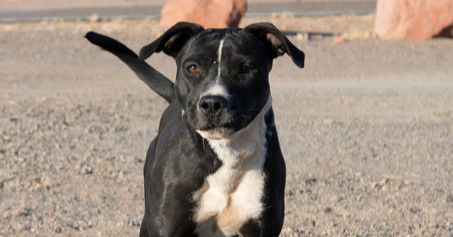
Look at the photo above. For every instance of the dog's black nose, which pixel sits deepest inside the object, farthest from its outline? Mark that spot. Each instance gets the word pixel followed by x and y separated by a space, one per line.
pixel 212 105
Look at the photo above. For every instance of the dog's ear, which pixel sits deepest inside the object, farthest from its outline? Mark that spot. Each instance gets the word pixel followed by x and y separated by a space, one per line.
pixel 172 40
pixel 277 43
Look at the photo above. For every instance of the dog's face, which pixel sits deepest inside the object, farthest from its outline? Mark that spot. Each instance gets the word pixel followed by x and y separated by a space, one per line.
pixel 222 75
pixel 222 81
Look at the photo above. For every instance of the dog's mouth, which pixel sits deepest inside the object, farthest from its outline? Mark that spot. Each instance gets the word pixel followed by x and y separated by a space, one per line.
pixel 216 132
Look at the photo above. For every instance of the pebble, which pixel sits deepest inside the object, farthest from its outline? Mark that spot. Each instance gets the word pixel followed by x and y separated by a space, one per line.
pixel 134 221
pixel 450 198
pixel 338 39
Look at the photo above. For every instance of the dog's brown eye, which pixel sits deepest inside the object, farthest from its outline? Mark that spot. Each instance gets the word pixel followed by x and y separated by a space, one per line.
pixel 193 68
pixel 246 69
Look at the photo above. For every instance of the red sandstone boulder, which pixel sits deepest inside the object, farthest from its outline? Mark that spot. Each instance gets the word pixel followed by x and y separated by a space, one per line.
pixel 413 18
pixel 208 13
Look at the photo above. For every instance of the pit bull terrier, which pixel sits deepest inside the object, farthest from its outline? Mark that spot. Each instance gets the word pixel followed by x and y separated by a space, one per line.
pixel 215 167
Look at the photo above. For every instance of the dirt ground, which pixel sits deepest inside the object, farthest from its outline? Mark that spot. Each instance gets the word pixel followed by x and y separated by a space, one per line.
pixel 366 129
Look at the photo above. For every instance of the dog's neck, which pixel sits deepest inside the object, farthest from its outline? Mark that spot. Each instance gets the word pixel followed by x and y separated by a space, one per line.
pixel 236 188
pixel 249 142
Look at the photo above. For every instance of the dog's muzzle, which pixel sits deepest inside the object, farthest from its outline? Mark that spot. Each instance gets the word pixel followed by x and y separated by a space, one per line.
pixel 213 111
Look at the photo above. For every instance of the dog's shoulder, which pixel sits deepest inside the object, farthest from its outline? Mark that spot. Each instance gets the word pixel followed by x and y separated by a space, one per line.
pixel 173 111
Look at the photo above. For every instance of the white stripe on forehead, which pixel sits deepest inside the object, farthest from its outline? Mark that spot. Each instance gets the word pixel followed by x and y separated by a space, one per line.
pixel 219 57
pixel 216 88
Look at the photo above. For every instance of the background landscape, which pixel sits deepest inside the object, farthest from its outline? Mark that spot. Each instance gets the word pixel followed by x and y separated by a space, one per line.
pixel 366 127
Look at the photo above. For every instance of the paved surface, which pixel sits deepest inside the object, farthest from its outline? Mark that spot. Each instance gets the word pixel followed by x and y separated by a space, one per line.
pixel 152 10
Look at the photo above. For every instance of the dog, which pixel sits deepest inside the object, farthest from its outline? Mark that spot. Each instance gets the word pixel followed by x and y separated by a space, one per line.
pixel 215 167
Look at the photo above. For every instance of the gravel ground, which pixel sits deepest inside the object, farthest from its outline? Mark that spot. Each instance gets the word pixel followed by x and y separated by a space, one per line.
pixel 366 129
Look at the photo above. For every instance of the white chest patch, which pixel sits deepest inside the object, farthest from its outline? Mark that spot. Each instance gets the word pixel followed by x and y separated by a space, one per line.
pixel 233 194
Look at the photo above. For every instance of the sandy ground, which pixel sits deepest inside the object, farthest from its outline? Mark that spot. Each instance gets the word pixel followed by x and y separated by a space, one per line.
pixel 366 129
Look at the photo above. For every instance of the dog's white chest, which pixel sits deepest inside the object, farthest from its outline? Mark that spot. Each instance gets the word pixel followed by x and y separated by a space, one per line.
pixel 228 200
pixel 234 193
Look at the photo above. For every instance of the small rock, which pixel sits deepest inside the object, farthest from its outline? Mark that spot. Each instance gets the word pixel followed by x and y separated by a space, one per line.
pixel 310 181
pixel 287 15
pixel 328 210
pixel 450 197
pixel 290 193
pixel 94 18
pixel 318 36
pixel 338 39
pixel 134 221
pixel 450 226
pixel 25 212
pixel 139 160
pixel 302 36
pixel 14 120
pixel 86 168
pixel 414 210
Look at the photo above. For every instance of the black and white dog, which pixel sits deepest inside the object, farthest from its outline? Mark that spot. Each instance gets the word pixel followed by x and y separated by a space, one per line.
pixel 215 167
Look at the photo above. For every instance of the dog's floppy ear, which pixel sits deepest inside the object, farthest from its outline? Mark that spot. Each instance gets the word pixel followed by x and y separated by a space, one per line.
pixel 172 40
pixel 276 42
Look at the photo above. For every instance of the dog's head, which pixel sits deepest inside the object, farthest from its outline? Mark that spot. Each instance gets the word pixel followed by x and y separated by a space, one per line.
pixel 222 74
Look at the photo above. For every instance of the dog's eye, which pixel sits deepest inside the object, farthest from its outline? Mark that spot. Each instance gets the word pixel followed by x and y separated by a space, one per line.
pixel 193 68
pixel 246 69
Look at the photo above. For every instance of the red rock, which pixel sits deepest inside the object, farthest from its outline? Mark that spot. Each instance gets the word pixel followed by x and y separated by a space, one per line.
pixel 208 13
pixel 413 18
